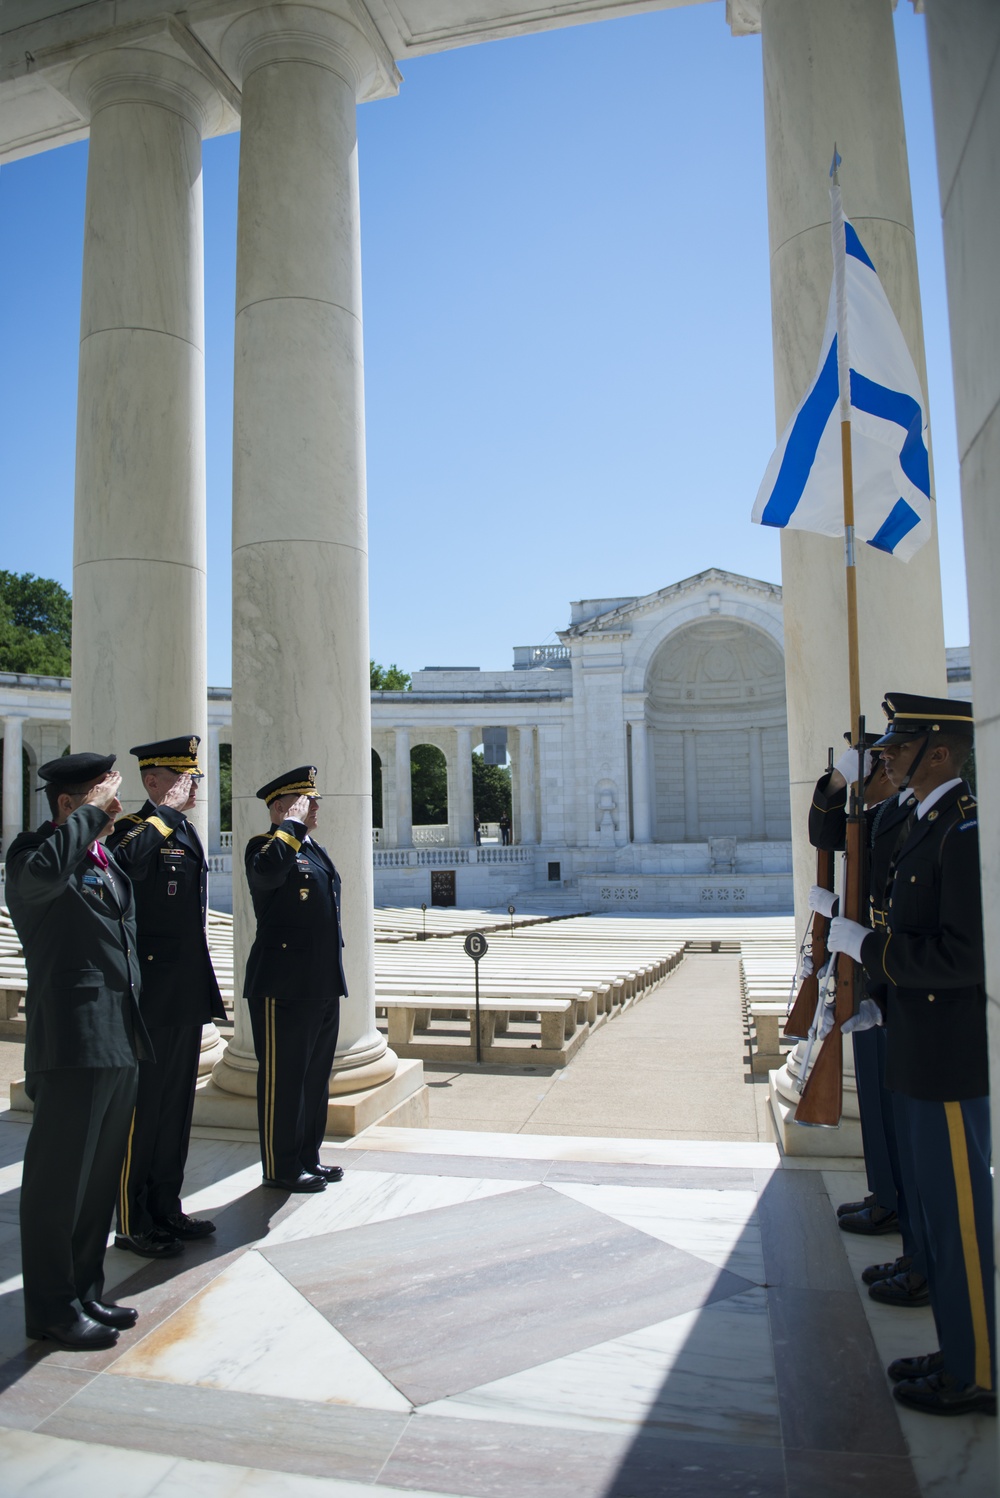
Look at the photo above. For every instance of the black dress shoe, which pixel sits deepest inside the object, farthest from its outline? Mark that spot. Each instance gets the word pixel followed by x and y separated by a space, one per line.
pixel 152 1245
pixel 906 1289
pixel 328 1172
pixel 120 1317
pixel 922 1367
pixel 180 1225
pixel 847 1209
pixel 870 1220
pixel 876 1272
pixel 81 1335
pixel 304 1181
pixel 940 1394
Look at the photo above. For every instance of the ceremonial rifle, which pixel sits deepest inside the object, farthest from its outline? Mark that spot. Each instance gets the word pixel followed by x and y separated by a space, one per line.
pixel 804 1009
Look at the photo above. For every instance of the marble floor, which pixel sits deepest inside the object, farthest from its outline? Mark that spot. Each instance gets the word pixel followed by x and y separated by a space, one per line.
pixel 489 1316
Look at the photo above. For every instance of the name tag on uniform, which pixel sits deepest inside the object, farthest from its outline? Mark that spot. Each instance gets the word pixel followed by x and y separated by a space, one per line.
pixel 172 856
pixel 95 884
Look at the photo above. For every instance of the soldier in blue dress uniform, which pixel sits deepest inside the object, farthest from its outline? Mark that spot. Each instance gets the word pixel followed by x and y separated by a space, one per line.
pixel 929 957
pixel 294 982
pixel 162 854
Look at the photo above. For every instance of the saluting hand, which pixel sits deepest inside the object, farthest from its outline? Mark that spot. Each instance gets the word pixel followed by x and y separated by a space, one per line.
pixel 299 811
pixel 179 797
pixel 105 794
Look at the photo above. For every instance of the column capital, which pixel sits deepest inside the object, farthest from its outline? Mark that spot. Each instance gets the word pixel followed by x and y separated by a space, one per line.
pixel 135 75
pixel 743 17
pixel 330 34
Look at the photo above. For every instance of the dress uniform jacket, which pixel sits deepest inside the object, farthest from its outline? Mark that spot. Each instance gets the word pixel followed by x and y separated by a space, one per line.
pixel 80 947
pixel 163 856
pixel 930 956
pixel 297 954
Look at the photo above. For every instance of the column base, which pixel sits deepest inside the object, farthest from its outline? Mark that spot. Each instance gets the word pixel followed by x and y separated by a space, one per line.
pixel 843 1142
pixel 213 1048
pixel 400 1099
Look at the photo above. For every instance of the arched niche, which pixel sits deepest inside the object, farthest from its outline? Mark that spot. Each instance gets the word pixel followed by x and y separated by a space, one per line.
pixel 429 785
pixel 715 711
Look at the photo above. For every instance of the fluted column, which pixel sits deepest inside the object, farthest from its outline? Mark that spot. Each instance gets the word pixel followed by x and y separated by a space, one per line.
pixel 213 794
pixel 526 784
pixel 692 821
pixel 404 790
pixel 830 75
pixel 139 596
pixel 465 830
pixel 301 686
pixel 642 822
pixel 13 780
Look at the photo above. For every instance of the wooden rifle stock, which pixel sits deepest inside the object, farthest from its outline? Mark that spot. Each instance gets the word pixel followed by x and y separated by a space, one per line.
pixel 822 1099
pixel 800 1016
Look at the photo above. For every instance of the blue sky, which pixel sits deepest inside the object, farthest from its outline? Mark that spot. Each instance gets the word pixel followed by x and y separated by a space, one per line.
pixel 567 334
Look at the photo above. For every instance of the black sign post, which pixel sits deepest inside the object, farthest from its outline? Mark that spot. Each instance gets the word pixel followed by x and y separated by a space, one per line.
pixel 511 909
pixel 423 907
pixel 477 946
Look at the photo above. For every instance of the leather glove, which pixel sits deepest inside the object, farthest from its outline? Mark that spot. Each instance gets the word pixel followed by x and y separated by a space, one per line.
pixel 847 936
pixel 847 764
pixel 868 1016
pixel 823 901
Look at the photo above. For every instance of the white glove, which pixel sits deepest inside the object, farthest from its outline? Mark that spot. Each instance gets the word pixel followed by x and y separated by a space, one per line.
pixel 823 901
pixel 868 1016
pixel 827 1017
pixel 847 936
pixel 805 965
pixel 847 764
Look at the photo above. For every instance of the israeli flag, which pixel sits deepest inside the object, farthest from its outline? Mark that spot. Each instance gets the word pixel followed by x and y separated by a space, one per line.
pixel 866 376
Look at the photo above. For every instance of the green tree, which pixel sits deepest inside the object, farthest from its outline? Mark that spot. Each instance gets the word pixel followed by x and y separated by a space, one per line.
pixel 389 678
pixel 226 787
pixel 490 789
pixel 36 616
pixel 429 781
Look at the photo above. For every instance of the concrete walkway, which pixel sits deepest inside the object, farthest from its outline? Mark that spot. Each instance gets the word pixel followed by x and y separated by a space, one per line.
pixel 674 1066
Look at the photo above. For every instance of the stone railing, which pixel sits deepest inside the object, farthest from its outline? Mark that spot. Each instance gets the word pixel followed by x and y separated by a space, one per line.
pixel 401 858
pixel 225 842
pixel 220 863
pixel 431 836
pixel 376 836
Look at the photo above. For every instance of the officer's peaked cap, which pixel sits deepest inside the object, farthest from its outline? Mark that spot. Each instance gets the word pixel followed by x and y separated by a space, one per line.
pixel 180 755
pixel 911 717
pixel 298 782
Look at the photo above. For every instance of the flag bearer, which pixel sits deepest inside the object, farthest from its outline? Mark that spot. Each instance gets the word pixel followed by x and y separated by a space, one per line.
pixel 930 957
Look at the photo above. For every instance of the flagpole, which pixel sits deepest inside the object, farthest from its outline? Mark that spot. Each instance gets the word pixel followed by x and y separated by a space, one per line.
pixel 847 466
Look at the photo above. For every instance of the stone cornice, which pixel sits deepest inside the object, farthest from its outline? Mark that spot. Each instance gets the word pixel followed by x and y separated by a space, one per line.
pixel 610 625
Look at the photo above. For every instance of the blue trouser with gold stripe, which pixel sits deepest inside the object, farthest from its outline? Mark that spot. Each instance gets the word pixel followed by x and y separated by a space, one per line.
pixel 950 1158
pixel 295 1042
pixel 882 1121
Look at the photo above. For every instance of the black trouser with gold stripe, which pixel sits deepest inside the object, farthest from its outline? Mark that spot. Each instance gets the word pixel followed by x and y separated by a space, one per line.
pixel 950 1160
pixel 156 1152
pixel 295 1041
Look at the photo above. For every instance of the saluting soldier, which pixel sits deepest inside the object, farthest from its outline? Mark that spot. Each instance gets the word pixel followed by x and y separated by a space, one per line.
pixel 162 854
pixel 930 957
pixel 294 982
pixel 75 915
pixel 890 1208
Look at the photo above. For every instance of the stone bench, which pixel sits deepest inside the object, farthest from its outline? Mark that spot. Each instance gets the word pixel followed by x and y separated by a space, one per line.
pixel 560 1036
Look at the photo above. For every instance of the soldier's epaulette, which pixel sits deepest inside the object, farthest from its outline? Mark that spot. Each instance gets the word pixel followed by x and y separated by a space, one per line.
pixel 968 807
pixel 134 833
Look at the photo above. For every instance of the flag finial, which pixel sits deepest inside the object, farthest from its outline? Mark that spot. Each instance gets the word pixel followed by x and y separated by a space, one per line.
pixel 834 164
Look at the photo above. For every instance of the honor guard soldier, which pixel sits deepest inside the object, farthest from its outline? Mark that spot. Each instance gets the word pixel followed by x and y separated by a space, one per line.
pixel 294 983
pixel 903 1281
pixel 75 915
pixel 163 856
pixel 929 955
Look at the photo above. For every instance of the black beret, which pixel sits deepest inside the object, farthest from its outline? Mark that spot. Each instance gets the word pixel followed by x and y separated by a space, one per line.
pixel 76 769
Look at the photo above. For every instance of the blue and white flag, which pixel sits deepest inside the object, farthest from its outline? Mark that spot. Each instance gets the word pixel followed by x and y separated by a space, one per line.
pixel 864 353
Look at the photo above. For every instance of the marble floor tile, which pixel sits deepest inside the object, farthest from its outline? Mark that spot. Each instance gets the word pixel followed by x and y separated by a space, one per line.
pixel 706 1178
pixel 374 1196
pixel 832 1474
pixel 481 1166
pixel 718 1226
pixel 248 1330
pixel 32 1387
pixel 223 1425
pixel 707 1374
pixel 572 1147
pixel 801 1241
pixel 493 1461
pixel 445 1300
pixel 46 1468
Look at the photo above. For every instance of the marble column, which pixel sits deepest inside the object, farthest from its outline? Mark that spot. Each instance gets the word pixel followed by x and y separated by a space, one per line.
pixel 964 45
pixel 830 74
pixel 139 595
pixel 301 689
pixel 13 779
pixel 526 784
pixel 464 823
pixel 642 829
pixel 758 805
pixel 212 795
pixel 692 821
pixel 404 790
